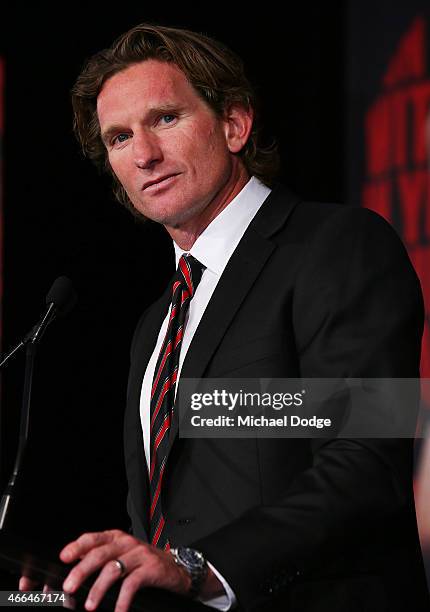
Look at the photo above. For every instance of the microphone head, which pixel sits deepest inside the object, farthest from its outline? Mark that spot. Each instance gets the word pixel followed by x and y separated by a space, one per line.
pixel 63 295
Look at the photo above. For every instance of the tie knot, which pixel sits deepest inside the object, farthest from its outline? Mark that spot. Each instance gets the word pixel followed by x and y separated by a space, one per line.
pixel 189 272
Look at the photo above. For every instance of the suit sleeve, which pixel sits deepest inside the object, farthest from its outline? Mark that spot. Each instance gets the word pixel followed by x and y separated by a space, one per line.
pixel 357 312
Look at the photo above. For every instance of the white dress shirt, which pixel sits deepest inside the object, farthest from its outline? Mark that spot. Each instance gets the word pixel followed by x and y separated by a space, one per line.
pixel 213 248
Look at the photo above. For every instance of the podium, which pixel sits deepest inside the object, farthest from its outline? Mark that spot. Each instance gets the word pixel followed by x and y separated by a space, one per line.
pixel 19 558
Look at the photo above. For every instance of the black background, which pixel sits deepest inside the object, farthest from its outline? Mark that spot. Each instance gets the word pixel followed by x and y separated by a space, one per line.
pixel 60 218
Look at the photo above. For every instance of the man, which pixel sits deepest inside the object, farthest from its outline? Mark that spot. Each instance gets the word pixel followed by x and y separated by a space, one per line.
pixel 269 286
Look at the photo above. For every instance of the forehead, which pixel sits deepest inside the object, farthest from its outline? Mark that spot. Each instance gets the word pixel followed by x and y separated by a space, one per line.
pixel 150 83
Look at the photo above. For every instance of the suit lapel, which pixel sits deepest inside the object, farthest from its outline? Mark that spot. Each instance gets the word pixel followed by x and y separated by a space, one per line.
pixel 241 272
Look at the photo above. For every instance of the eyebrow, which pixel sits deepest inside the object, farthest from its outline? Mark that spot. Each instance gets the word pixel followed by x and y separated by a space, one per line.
pixel 156 110
pixel 113 129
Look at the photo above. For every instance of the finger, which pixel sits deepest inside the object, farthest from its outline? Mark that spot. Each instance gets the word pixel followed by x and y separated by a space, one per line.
pixel 78 548
pixel 96 559
pixel 129 588
pixel 27 584
pixel 109 574
pixel 139 558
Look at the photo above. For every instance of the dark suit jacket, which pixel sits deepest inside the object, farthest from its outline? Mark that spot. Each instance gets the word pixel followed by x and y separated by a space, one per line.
pixel 312 290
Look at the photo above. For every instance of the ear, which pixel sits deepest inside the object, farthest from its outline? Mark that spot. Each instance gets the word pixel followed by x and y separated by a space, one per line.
pixel 238 125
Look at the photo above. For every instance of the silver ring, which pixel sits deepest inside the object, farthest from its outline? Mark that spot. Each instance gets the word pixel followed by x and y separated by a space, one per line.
pixel 121 566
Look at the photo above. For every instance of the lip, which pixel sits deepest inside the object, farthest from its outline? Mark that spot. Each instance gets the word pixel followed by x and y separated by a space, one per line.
pixel 159 183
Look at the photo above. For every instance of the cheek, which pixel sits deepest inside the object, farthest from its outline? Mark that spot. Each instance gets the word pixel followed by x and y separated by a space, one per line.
pixel 121 168
pixel 209 152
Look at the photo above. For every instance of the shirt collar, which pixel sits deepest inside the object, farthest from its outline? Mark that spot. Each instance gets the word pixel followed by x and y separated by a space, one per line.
pixel 216 244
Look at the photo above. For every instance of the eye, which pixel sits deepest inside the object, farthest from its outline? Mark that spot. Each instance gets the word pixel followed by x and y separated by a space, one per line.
pixel 120 138
pixel 168 118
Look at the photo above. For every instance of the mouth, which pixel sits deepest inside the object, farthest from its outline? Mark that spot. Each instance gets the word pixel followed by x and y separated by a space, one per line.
pixel 160 183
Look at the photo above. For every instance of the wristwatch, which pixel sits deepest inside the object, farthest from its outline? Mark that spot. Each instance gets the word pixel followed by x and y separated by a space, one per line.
pixel 194 563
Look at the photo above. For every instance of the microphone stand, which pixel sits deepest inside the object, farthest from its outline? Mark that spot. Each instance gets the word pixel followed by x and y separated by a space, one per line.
pixel 60 299
pixel 23 432
pixel 30 341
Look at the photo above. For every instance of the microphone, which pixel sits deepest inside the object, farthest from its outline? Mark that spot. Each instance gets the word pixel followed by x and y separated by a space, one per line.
pixel 60 300
pixel 62 294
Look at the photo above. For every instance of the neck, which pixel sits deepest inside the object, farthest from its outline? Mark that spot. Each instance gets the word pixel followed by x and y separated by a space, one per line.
pixel 185 235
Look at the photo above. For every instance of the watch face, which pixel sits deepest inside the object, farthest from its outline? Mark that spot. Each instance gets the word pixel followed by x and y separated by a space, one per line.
pixel 191 558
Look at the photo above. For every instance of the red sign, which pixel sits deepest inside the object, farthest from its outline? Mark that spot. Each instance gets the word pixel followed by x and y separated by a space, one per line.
pixel 397 142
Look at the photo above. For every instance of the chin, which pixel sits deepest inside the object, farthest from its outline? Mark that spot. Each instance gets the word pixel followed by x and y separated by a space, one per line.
pixel 173 217
pixel 173 208
pixel 169 218
pixel 154 211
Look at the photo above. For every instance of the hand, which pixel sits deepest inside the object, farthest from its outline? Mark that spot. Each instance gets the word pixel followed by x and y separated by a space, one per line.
pixel 145 565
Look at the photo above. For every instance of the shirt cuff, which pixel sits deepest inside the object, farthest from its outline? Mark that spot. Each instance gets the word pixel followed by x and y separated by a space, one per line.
pixel 224 602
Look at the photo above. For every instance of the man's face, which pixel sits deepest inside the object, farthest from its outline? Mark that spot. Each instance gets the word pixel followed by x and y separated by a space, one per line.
pixel 170 151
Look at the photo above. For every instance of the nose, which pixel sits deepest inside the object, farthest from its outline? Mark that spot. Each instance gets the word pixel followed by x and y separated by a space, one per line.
pixel 146 150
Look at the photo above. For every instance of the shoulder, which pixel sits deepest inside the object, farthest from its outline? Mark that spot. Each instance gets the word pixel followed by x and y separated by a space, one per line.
pixel 349 238
pixel 330 219
pixel 340 226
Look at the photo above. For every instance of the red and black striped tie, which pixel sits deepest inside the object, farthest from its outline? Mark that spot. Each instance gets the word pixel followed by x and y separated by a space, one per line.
pixel 185 283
